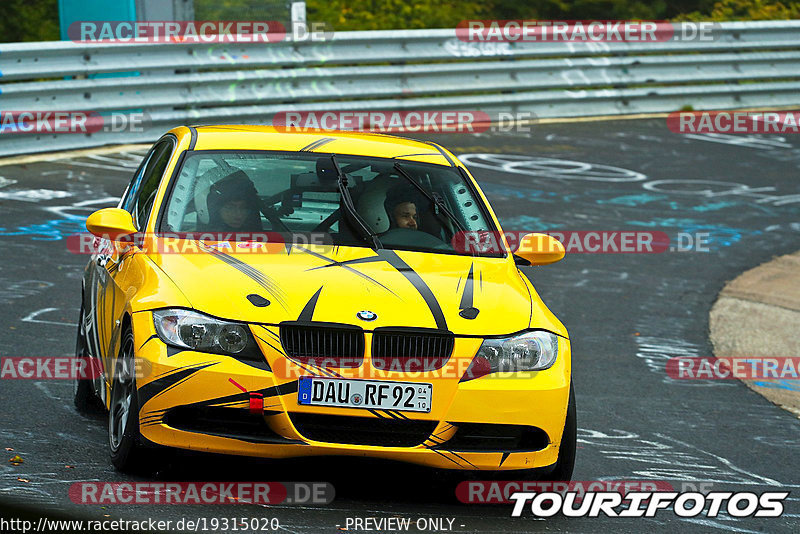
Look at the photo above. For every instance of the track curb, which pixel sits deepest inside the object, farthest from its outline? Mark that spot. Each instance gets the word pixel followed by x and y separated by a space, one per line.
pixel 758 315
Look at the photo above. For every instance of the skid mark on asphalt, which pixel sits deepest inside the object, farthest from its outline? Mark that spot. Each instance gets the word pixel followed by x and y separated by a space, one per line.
pixel 715 524
pixel 33 318
pixel 656 351
pixel 664 458
pixel 21 289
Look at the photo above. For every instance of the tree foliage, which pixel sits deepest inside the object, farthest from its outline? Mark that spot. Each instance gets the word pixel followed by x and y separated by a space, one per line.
pixel 748 10
pixel 28 20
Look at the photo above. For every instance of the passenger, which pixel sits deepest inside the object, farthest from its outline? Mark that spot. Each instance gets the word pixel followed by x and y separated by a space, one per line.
pixel 233 205
pixel 401 207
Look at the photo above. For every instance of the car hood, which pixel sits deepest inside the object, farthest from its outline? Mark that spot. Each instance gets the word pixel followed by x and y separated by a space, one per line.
pixel 275 283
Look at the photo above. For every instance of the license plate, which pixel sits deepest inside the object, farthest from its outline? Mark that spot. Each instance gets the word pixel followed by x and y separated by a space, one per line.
pixel 370 394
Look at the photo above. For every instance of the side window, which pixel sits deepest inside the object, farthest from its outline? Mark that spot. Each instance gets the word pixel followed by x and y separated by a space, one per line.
pixel 129 196
pixel 141 199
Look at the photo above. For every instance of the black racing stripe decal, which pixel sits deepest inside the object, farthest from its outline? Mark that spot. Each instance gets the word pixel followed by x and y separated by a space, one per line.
pixel 376 414
pixel 272 391
pixel 390 414
pixel 503 459
pixel 273 334
pixel 335 263
pixel 419 284
pixel 324 370
pixel 316 144
pixel 146 341
pixel 304 368
pixel 270 332
pixel 346 265
pixel 462 458
pixel 466 309
pixel 445 457
pixel 307 314
pixel 257 276
pixel 436 438
pixel 271 345
pixel 466 296
pixel 160 385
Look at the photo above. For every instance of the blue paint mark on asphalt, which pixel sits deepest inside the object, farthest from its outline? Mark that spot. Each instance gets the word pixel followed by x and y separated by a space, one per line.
pixel 791 385
pixel 718 234
pixel 633 200
pixel 714 206
pixel 527 223
pixel 53 230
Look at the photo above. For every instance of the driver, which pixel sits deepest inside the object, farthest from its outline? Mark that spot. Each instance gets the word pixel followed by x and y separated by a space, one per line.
pixel 233 205
pixel 401 207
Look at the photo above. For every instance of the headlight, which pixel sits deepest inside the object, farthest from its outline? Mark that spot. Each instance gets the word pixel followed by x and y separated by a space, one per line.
pixel 530 351
pixel 195 331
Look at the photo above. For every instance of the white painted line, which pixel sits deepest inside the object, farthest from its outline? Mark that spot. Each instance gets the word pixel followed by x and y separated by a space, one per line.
pixel 31 318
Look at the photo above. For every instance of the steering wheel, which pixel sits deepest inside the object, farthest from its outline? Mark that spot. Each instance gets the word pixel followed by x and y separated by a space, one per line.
pixel 405 237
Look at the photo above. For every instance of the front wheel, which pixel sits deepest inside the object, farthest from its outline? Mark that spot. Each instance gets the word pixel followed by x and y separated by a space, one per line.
pixel 124 440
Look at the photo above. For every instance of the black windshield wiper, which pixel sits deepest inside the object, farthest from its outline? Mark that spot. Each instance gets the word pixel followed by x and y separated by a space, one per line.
pixel 350 209
pixel 432 197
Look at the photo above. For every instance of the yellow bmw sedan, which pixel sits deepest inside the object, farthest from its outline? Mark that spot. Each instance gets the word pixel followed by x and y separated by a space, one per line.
pixel 275 294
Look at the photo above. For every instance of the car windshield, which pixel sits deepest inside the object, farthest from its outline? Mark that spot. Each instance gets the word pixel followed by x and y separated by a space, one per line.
pixel 260 191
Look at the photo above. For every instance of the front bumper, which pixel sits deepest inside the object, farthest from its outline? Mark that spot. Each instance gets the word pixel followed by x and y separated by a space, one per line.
pixel 194 400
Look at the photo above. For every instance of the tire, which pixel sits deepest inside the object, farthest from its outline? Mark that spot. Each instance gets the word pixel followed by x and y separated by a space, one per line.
pixel 84 396
pixel 562 472
pixel 124 440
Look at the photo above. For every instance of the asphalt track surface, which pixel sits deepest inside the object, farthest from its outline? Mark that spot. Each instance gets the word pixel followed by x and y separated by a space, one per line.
pixel 626 314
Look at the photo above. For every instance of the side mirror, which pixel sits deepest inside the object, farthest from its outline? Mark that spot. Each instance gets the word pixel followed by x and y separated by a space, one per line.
pixel 540 249
pixel 111 223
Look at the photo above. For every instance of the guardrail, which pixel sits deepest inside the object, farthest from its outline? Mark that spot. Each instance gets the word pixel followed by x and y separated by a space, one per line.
pixel 749 64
